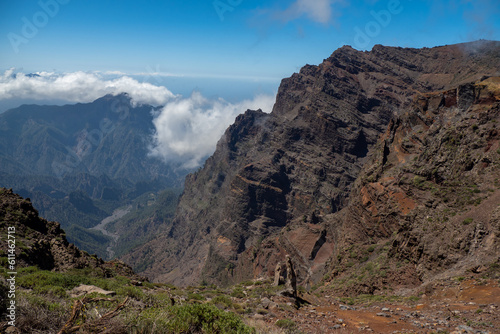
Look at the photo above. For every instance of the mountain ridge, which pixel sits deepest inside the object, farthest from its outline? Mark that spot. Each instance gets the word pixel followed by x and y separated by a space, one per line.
pixel 298 164
pixel 80 162
pixel 43 243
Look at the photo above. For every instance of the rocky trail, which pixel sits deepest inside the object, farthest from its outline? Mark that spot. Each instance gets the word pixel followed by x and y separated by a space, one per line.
pixel 452 306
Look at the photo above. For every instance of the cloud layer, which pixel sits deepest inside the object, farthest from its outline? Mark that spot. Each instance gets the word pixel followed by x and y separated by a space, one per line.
pixel 188 129
pixel 78 87
pixel 316 10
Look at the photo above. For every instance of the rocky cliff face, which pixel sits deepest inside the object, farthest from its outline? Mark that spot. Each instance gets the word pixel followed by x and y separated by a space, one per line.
pixel 279 183
pixel 426 204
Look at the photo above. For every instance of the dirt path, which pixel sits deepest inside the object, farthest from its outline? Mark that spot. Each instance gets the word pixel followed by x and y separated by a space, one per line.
pixel 117 214
pixel 453 307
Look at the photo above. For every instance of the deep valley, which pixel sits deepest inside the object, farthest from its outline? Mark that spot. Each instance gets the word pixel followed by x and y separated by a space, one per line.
pixel 368 200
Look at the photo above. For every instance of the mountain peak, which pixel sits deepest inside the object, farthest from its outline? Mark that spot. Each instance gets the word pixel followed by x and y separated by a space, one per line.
pixel 122 97
pixel 275 180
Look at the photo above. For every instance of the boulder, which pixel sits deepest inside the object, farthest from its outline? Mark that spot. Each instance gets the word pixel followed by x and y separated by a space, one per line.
pixel 88 289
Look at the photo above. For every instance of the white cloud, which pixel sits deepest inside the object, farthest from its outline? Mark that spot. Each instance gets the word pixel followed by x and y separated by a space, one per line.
pixel 78 87
pixel 316 10
pixel 114 73
pixel 188 129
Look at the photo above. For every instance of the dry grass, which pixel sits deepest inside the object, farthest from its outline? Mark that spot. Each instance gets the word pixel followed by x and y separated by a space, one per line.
pixel 262 327
pixel 35 315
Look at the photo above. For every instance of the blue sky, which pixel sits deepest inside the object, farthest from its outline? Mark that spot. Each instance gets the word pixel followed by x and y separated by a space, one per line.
pixel 244 39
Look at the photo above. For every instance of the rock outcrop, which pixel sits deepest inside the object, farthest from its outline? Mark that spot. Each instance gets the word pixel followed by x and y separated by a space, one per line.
pixel 84 289
pixel 291 278
pixel 43 243
pixel 279 274
pixel 284 274
pixel 278 183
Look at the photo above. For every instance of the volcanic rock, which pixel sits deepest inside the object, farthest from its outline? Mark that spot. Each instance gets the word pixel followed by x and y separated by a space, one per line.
pixel 291 182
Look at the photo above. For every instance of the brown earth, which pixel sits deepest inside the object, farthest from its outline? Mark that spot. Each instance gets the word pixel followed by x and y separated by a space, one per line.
pixel 459 305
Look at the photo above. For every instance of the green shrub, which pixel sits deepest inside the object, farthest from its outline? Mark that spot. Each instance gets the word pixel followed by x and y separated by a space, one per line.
pixel 286 324
pixel 195 318
pixel 418 181
pixel 131 291
pixel 238 293
pixel 56 284
pixel 222 301
pixel 151 320
pixel 467 221
pixel 41 302
pixel 42 278
pixel 55 291
pixel 247 283
pixel 195 296
pixel 159 299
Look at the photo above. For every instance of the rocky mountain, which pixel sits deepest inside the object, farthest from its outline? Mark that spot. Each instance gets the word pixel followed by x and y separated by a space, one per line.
pixel 43 243
pixel 348 167
pixel 426 204
pixel 105 137
pixel 78 163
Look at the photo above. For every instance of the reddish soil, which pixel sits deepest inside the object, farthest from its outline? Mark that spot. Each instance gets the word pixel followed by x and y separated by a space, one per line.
pixel 470 306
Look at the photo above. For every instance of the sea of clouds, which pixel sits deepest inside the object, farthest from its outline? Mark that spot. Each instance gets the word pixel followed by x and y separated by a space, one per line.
pixel 78 87
pixel 186 128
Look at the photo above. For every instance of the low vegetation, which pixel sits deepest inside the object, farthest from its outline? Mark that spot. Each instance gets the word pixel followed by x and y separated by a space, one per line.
pixel 46 305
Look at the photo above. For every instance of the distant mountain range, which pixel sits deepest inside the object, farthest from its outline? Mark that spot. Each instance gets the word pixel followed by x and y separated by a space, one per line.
pixel 79 162
pixel 106 137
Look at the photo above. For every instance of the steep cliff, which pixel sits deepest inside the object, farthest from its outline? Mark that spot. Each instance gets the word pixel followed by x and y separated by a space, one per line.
pixel 277 182
pixel 426 204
